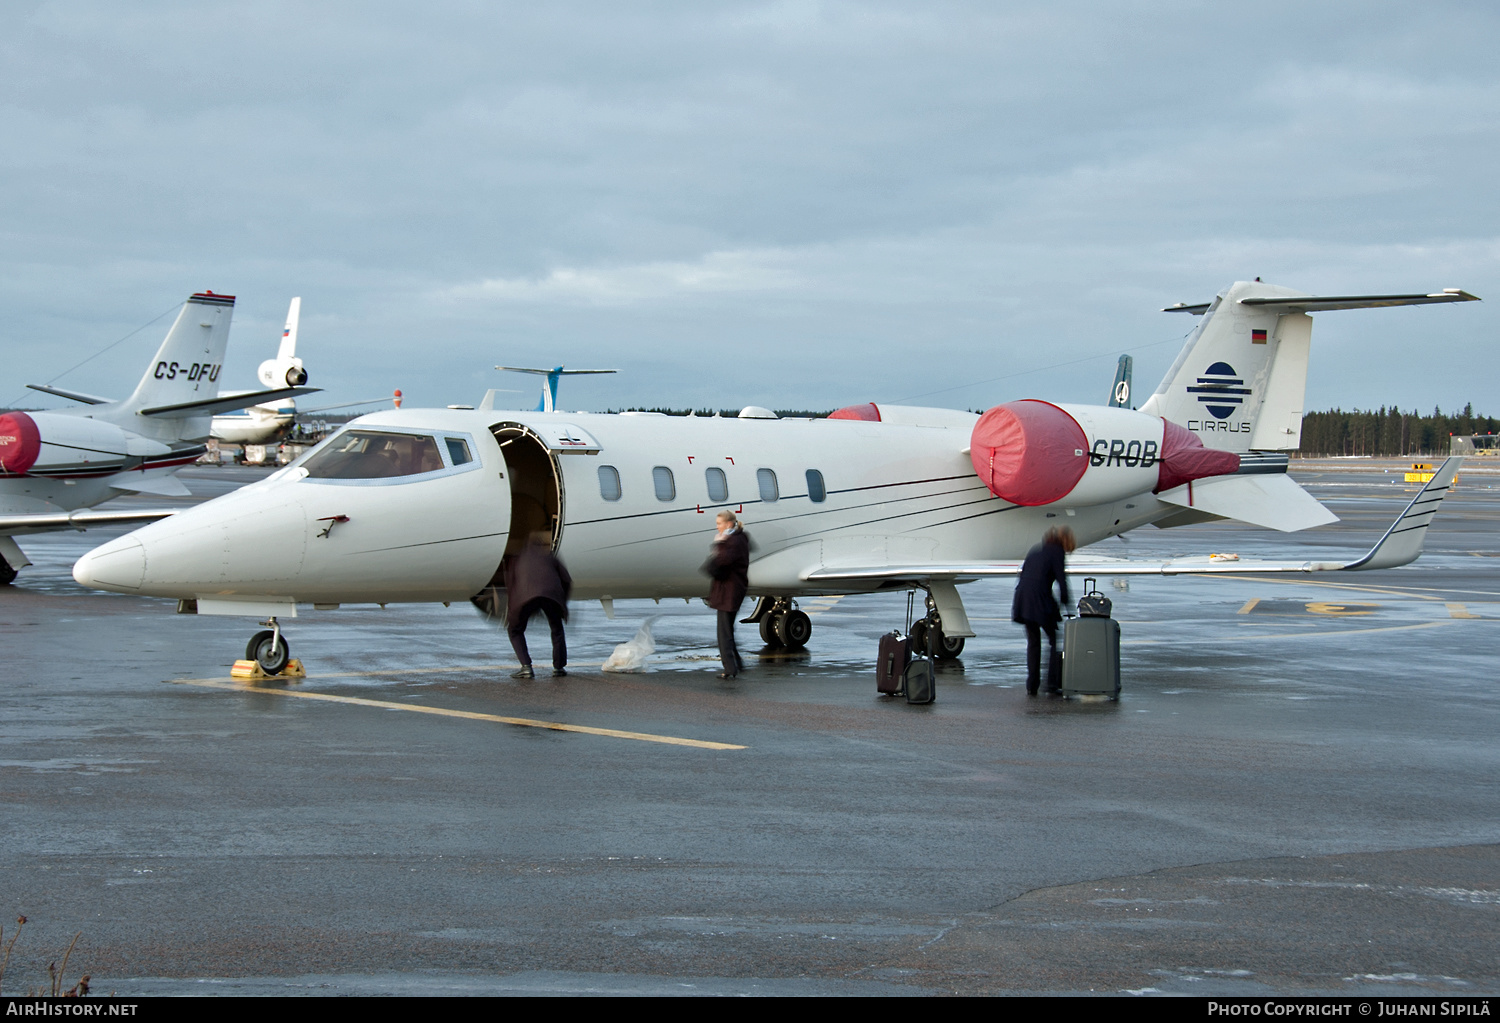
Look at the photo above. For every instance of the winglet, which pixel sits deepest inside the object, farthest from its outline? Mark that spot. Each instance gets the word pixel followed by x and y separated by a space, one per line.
pixel 1402 543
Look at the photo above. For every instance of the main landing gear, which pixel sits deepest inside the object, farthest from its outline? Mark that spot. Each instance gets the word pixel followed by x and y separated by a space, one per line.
pixel 781 623
pixel 269 649
pixel 945 648
pixel 7 574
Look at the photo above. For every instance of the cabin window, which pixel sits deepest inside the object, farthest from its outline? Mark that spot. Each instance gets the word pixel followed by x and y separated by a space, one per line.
pixel 666 487
pixel 815 488
pixel 609 483
pixel 368 455
pixel 767 480
pixel 458 450
pixel 718 485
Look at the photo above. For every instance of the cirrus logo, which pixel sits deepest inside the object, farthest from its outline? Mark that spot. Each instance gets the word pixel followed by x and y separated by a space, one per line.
pixel 1219 390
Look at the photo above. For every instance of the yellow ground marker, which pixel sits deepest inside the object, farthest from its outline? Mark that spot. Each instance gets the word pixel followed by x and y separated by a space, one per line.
pixel 1457 610
pixel 359 701
pixel 1324 607
pixel 1249 606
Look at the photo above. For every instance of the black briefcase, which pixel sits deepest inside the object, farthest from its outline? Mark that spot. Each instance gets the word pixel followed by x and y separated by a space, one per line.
pixel 1093 604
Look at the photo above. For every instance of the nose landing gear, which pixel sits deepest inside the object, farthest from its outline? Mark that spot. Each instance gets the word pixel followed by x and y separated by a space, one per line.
pixel 269 649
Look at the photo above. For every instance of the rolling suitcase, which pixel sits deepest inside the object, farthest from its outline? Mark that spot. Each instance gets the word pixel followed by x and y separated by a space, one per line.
pixel 890 668
pixel 1091 649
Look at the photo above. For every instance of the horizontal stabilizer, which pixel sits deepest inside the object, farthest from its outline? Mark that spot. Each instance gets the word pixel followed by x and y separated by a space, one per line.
pixel 1325 303
pixel 161 486
pixel 1273 501
pixel 47 522
pixel 1320 304
pixel 61 392
pixel 213 406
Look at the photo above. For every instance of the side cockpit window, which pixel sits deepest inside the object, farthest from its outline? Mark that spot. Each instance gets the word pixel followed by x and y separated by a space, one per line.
pixel 458 450
pixel 372 455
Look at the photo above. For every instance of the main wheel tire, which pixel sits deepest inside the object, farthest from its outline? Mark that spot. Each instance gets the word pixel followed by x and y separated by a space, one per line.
pixel 949 647
pixel 7 574
pixel 268 650
pixel 794 629
pixel 918 638
pixel 768 629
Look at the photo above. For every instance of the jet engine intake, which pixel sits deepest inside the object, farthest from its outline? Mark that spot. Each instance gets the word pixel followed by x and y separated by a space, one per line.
pixel 20 442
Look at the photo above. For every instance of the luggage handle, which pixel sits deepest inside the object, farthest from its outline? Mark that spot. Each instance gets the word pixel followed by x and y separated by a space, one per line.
pixel 1091 587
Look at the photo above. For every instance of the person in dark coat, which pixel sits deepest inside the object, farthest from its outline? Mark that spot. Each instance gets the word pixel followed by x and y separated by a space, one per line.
pixel 1035 608
pixel 729 567
pixel 535 580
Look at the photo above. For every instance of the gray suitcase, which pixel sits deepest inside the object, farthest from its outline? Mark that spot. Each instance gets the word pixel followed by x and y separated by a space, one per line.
pixel 1091 657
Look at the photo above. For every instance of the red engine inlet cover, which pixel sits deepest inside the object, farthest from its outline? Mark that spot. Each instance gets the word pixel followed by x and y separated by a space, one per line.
pixel 20 442
pixel 1029 452
pixel 1184 459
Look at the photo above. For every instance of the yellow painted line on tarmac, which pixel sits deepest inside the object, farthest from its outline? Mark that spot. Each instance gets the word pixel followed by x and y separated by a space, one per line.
pixel 359 701
pixel 1249 606
pixel 1458 610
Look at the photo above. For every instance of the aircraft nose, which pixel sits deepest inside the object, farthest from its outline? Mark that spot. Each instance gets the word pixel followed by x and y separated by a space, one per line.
pixel 119 565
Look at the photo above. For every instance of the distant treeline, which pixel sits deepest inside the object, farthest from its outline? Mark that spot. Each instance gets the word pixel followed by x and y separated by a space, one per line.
pixel 1388 431
pixel 728 413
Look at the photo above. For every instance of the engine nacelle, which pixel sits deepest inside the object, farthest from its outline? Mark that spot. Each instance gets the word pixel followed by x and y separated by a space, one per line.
pixel 282 372
pixel 1034 452
pixel 39 442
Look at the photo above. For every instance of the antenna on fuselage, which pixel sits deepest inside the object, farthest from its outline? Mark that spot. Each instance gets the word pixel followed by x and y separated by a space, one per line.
pixel 548 401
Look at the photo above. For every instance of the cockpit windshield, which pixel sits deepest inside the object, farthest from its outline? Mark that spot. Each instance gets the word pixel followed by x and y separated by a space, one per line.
pixel 371 455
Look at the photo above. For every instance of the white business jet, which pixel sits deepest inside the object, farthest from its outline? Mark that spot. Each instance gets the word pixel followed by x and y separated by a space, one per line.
pixel 56 464
pixel 422 504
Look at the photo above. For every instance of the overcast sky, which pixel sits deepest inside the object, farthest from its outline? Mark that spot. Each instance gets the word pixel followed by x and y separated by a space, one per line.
pixel 792 204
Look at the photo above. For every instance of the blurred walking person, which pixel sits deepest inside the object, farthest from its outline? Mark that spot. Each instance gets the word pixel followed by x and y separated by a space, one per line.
pixel 1035 608
pixel 535 580
pixel 729 567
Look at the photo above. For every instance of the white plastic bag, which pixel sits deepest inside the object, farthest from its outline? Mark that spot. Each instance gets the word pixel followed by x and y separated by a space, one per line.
pixel 631 656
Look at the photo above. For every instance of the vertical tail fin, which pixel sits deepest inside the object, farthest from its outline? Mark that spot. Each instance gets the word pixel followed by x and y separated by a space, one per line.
pixel 1119 392
pixel 187 364
pixel 1224 375
pixel 286 370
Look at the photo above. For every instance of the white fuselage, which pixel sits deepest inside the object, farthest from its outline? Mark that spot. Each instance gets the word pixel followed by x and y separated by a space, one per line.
pixel 257 424
pixel 627 497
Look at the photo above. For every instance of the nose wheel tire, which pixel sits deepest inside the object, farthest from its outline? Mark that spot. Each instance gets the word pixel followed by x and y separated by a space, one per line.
pixel 269 650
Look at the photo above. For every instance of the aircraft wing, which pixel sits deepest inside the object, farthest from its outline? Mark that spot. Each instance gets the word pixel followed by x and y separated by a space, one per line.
pixel 213 406
pixel 46 522
pixel 1401 545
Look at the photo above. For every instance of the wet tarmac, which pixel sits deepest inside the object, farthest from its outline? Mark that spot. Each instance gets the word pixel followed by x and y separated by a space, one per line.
pixel 1299 791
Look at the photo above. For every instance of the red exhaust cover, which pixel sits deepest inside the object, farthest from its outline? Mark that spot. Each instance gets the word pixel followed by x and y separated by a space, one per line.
pixel 20 442
pixel 1184 458
pixel 867 413
pixel 1029 452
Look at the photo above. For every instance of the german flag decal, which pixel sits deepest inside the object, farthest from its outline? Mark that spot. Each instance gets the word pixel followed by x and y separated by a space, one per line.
pixel 1257 337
